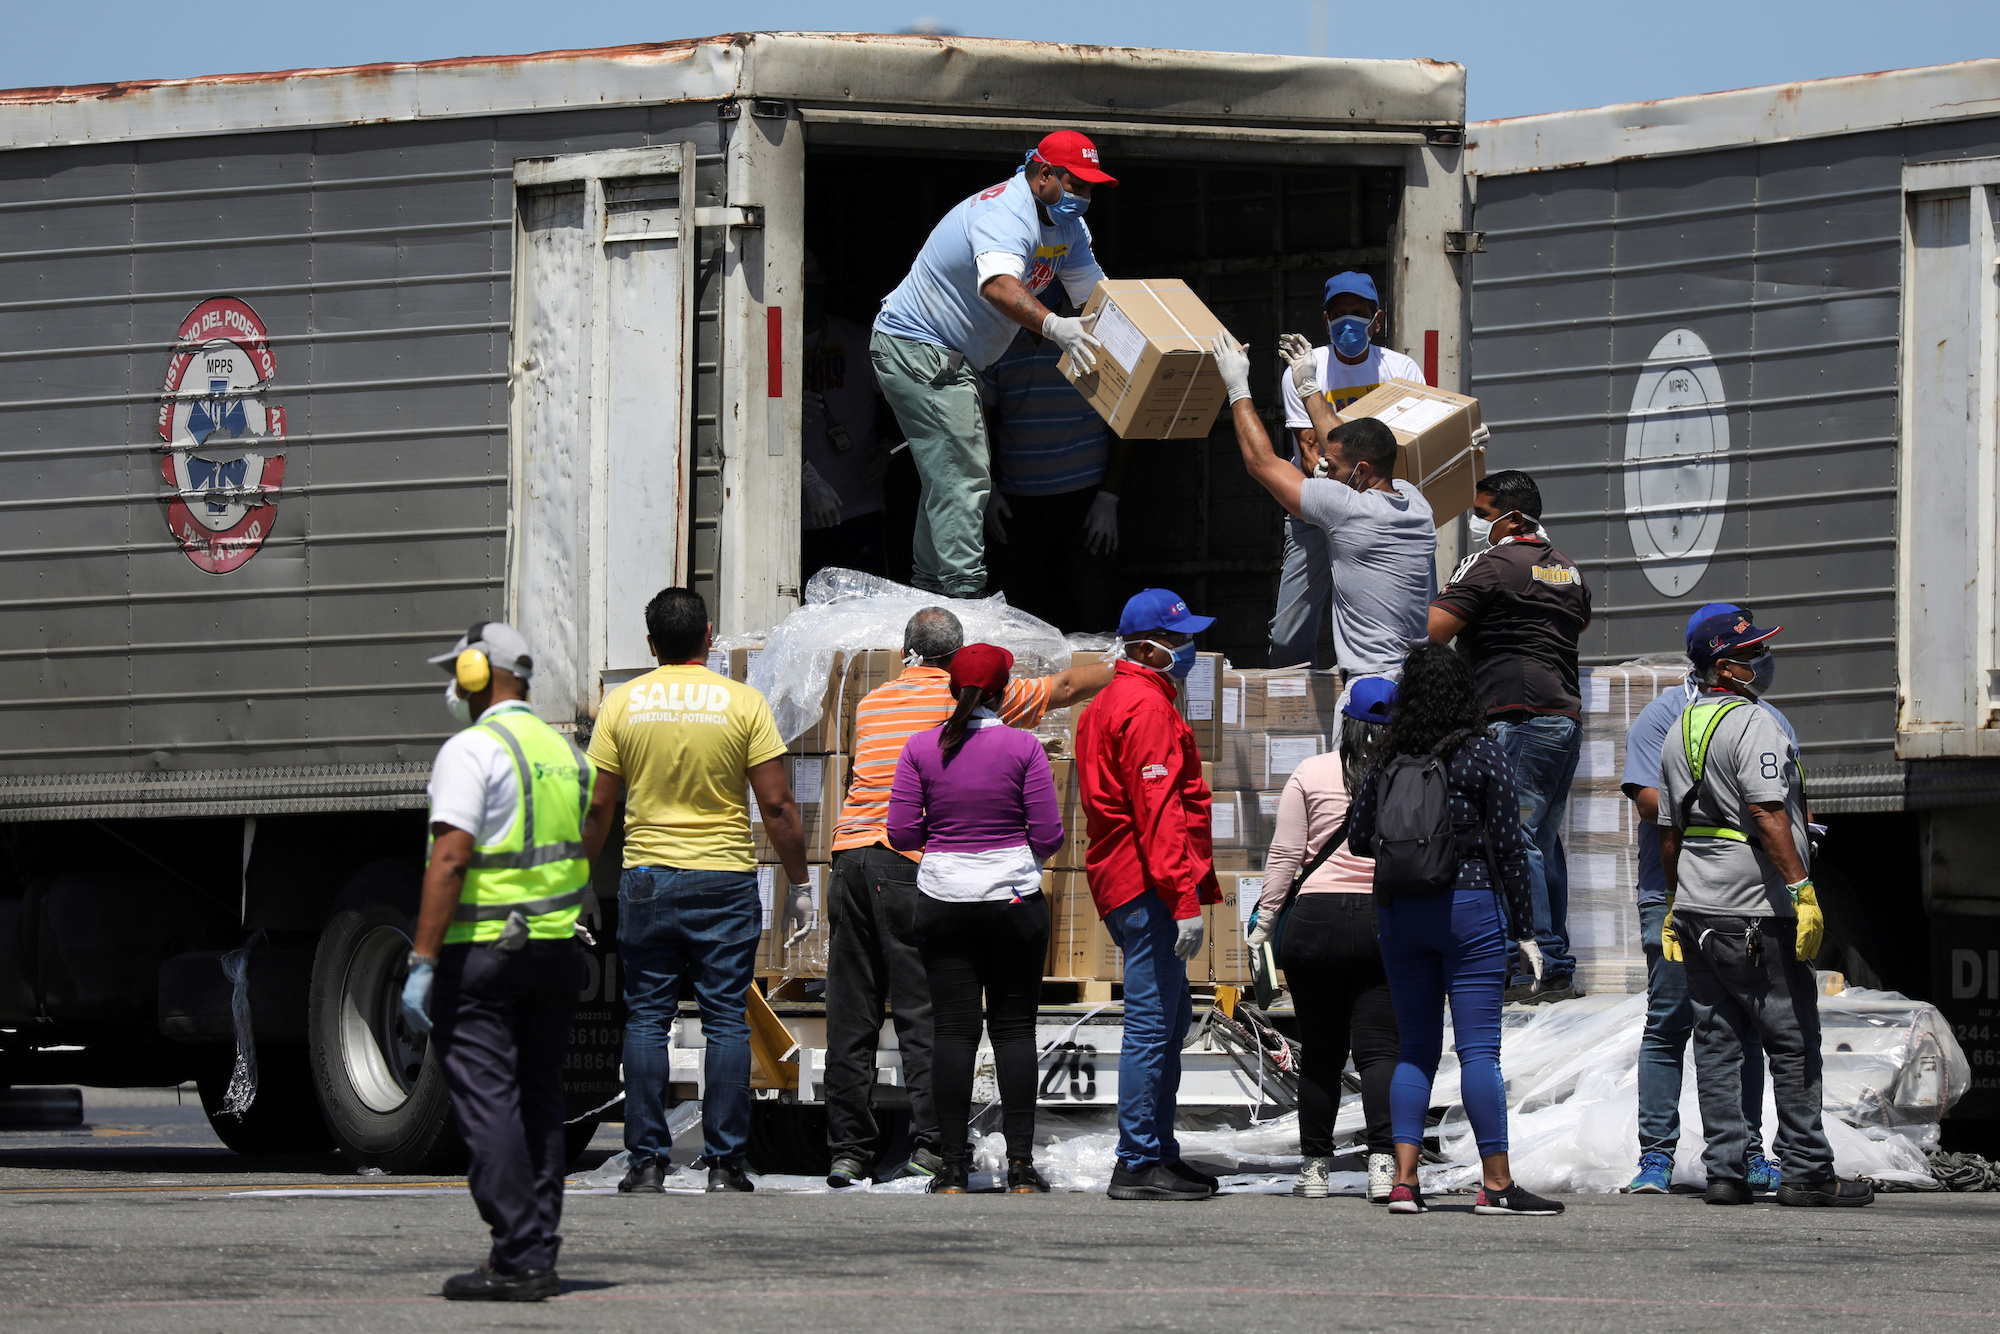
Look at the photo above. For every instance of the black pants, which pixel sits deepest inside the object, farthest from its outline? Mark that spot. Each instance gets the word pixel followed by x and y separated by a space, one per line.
pixel 1045 568
pixel 1333 966
pixel 871 960
pixel 502 1025
pixel 999 948
pixel 859 544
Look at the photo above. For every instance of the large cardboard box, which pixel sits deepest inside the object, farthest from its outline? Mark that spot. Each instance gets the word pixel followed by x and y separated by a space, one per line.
pixel 1226 924
pixel 1262 761
pixel 1080 945
pixel 808 957
pixel 1285 699
pixel 1155 377
pixel 819 785
pixel 1434 429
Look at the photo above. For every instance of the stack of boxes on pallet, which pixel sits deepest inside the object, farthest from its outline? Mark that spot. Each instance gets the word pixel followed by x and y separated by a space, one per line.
pixel 1599 831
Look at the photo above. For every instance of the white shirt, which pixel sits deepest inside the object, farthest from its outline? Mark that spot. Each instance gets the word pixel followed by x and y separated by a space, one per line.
pixel 474 784
pixel 1343 384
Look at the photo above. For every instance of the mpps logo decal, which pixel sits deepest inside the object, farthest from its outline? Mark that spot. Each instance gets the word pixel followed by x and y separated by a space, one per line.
pixel 220 436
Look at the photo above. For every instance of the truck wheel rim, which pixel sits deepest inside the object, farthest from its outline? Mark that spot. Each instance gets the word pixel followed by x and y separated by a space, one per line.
pixel 382 1057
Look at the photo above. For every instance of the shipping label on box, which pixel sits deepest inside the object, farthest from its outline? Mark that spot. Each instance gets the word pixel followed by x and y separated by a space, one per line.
pixel 1155 377
pixel 1255 761
pixel 1433 429
pixel 1228 924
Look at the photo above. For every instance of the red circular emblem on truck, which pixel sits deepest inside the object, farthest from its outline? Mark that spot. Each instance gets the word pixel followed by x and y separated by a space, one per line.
pixel 220 437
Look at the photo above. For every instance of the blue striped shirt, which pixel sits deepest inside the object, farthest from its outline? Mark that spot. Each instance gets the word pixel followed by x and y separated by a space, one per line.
pixel 1047 441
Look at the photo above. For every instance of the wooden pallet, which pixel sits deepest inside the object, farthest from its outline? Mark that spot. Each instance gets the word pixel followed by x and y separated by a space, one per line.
pixel 1079 991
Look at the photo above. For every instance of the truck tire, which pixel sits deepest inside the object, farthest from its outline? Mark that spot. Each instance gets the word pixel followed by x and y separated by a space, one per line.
pixel 380 1086
pixel 284 1117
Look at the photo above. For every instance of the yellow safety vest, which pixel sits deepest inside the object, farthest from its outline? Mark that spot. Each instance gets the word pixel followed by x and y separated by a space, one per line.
pixel 1698 724
pixel 537 868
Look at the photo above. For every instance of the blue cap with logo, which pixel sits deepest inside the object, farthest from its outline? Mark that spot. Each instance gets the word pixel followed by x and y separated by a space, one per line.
pixel 1358 283
pixel 1721 635
pixel 1159 609
pixel 1372 699
pixel 1704 613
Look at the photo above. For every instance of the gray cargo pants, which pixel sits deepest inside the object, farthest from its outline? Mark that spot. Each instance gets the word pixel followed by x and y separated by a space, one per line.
pixel 935 395
pixel 1743 979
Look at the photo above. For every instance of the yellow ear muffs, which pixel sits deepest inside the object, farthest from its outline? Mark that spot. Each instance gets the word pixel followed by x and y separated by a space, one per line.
pixel 474 672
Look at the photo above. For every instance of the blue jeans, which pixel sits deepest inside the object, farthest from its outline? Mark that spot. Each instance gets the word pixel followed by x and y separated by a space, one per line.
pixel 701 926
pixel 1305 587
pixel 1433 944
pixel 1544 750
pixel 1669 1021
pixel 1158 1011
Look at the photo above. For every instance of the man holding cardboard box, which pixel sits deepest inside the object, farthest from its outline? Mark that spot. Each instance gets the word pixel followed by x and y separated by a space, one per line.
pixel 872 959
pixel 1351 366
pixel 1381 541
pixel 978 277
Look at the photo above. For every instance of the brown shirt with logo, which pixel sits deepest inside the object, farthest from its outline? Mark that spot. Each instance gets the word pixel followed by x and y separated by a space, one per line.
pixel 1523 604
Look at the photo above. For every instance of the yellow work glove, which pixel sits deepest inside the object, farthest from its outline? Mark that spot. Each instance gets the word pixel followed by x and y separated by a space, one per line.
pixel 1812 923
pixel 1670 944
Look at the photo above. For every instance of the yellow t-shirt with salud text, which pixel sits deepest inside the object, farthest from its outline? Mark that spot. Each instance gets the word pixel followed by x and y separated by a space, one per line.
pixel 683 739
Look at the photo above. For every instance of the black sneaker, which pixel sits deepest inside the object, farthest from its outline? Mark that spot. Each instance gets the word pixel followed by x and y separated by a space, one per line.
pixel 1521 991
pixel 1023 1179
pixel 950 1179
pixel 1515 1199
pixel 1187 1171
pixel 727 1177
pixel 1727 1190
pixel 644 1176
pixel 1154 1181
pixel 487 1284
pixel 846 1171
pixel 923 1163
pixel 1827 1192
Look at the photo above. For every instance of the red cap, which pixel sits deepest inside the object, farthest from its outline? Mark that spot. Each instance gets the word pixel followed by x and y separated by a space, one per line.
pixel 984 665
pixel 1075 154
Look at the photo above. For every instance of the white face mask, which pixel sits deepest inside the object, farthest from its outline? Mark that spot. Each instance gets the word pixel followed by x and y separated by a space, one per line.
pixel 457 705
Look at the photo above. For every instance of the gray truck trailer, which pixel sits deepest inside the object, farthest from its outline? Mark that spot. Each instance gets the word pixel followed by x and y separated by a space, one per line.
pixel 308 371
pixel 1747 343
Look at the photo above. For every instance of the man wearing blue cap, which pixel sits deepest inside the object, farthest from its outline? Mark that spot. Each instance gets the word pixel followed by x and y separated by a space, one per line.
pixel 1669 1014
pixel 1743 917
pixel 1350 366
pixel 1151 867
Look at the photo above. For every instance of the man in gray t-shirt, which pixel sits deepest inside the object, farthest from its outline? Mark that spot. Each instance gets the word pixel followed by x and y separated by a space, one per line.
pixel 1742 916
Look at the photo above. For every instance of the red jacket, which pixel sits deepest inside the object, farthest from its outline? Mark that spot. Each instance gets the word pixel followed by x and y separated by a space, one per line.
pixel 1139 779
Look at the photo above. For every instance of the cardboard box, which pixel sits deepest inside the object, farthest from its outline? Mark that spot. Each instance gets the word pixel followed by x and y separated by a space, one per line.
pixel 1076 829
pixel 1155 377
pixel 1227 923
pixel 1199 702
pixel 849 680
pixel 819 786
pixel 1434 429
pixel 808 957
pixel 1080 946
pixel 1262 761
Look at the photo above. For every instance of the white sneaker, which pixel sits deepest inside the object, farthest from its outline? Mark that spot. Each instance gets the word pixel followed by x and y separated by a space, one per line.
pixel 1312 1183
pixel 1381 1176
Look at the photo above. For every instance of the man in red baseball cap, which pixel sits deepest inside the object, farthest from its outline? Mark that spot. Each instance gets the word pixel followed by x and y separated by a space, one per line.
pixel 976 283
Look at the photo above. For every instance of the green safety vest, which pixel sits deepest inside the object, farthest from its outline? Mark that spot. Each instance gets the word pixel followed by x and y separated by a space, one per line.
pixel 537 868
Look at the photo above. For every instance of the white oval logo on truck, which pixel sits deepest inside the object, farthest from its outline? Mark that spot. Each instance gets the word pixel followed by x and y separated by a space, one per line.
pixel 1676 463
pixel 222 442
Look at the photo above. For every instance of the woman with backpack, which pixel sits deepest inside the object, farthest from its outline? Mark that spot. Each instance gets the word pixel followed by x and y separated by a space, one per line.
pixel 1441 815
pixel 1317 909
pixel 978 799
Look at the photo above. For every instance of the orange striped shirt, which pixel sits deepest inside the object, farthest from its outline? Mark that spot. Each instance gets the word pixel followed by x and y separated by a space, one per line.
pixel 884 722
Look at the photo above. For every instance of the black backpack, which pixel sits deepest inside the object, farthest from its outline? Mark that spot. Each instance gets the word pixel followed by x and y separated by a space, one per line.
pixel 1415 849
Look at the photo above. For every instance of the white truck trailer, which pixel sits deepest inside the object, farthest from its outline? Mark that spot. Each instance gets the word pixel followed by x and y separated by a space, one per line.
pixel 307 371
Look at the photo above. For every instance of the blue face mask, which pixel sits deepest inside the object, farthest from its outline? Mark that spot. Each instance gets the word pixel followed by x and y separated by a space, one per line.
pixel 1067 209
pixel 1183 662
pixel 1349 334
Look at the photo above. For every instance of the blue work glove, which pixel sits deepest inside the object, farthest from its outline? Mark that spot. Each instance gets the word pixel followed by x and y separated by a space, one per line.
pixel 417 997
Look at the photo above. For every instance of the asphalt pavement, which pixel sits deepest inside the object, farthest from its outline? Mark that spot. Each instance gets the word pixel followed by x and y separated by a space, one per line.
pixel 142 1221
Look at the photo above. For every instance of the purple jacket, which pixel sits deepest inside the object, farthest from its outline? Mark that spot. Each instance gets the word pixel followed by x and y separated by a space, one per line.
pixel 996 793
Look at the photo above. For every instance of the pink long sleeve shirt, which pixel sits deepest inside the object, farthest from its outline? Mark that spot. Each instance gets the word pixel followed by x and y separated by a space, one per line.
pixel 1312 806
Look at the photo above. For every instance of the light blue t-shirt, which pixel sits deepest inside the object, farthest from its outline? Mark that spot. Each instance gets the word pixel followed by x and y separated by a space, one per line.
pixel 1642 769
pixel 939 302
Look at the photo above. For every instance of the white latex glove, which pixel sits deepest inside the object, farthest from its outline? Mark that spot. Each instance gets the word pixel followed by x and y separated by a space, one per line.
pixel 1533 954
pixel 1187 938
pixel 589 916
pixel 822 501
pixel 798 913
pixel 1100 526
pixel 1481 435
pixel 1297 350
pixel 1263 926
pixel 1234 364
pixel 1072 337
pixel 998 511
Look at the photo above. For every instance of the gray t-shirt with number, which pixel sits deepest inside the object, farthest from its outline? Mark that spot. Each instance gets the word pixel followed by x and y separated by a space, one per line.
pixel 1750 759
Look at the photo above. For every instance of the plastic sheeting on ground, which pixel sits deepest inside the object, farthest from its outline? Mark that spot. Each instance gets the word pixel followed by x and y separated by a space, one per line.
pixel 846 611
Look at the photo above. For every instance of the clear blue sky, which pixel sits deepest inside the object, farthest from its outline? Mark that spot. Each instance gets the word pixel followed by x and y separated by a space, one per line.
pixel 1522 58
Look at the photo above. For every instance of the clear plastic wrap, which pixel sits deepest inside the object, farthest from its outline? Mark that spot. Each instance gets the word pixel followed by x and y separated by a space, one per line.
pixel 846 611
